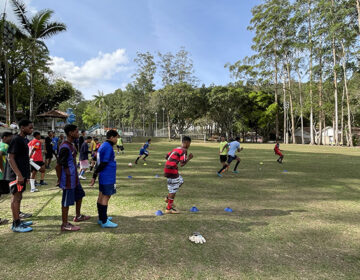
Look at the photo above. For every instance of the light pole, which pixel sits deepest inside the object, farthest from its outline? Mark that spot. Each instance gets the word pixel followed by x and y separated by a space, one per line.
pixel 163 117
pixel 156 124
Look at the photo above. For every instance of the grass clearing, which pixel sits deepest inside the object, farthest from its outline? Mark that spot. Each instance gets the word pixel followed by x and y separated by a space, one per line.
pixel 300 224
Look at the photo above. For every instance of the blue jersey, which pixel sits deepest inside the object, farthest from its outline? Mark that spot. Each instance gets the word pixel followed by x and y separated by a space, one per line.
pixel 106 154
pixel 233 147
pixel 146 145
pixel 55 141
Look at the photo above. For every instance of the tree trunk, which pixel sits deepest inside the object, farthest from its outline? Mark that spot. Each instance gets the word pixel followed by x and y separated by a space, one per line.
pixel 168 124
pixel 350 143
pixel 301 108
pixel 285 111
pixel 311 75
pixel 342 116
pixel 32 91
pixel 276 98
pixel 336 121
pixel 291 105
pixel 321 113
pixel 358 12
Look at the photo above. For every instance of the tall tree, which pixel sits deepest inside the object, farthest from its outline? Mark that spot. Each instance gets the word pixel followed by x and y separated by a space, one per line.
pixel 38 28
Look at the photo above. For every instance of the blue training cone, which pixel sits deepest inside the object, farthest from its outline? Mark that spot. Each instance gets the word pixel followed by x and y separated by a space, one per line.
pixel 194 209
pixel 129 177
pixel 159 213
pixel 228 209
pixel 157 176
pixel 285 171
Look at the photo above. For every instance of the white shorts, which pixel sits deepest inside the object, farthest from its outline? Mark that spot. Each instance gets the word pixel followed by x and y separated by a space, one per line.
pixel 174 184
pixel 84 164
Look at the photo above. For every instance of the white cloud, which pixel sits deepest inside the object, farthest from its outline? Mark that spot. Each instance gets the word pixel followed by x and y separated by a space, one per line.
pixel 94 72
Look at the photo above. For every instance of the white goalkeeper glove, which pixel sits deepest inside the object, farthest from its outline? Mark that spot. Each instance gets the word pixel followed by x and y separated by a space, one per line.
pixel 197 238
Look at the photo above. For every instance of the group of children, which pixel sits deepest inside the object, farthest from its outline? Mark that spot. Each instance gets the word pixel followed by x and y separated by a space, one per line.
pixel 22 155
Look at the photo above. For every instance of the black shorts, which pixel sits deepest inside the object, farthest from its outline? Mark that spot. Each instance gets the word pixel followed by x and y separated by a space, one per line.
pixel 4 187
pixel 230 159
pixel 223 158
pixel 49 154
pixel 120 147
pixel 14 188
pixel 40 163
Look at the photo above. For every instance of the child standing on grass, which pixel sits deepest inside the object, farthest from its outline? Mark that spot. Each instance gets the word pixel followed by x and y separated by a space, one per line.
pixel 106 169
pixel 278 152
pixel 84 157
pixel 171 172
pixel 143 151
pixel 4 184
pixel 69 179
pixel 94 153
pixel 37 158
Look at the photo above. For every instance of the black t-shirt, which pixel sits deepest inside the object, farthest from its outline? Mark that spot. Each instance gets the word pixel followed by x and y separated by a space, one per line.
pixel 20 149
pixel 81 141
pixel 48 144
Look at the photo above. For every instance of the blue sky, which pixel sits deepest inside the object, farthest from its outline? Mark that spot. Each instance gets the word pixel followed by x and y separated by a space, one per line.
pixel 102 38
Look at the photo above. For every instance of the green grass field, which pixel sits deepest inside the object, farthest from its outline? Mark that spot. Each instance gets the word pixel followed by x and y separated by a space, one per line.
pixel 300 224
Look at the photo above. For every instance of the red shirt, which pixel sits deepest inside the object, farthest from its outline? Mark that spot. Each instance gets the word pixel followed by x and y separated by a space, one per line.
pixel 37 155
pixel 173 158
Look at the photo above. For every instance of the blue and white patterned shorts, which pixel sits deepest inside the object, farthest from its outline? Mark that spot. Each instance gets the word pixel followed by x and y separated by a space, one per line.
pixel 174 184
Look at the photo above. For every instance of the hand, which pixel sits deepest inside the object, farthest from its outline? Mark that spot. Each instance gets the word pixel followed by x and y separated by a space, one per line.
pixel 190 156
pixel 92 183
pixel 241 149
pixel 20 179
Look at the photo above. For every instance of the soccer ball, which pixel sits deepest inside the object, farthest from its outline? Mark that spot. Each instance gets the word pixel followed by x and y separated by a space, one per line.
pixel 130 164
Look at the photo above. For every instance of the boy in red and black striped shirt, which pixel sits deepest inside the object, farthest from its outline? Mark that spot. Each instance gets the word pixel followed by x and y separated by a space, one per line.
pixel 171 172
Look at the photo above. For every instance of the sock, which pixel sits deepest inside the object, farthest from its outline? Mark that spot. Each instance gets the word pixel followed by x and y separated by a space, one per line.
pixel 16 223
pixel 236 165
pixel 32 183
pixel 82 172
pixel 146 156
pixel 103 213
pixel 137 159
pixel 222 169
pixel 170 203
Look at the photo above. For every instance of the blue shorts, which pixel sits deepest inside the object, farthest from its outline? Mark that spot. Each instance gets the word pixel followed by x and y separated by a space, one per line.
pixel 230 159
pixel 71 195
pixel 143 152
pixel 107 189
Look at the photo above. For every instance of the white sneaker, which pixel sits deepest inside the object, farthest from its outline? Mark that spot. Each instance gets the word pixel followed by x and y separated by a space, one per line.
pixel 82 178
pixel 34 190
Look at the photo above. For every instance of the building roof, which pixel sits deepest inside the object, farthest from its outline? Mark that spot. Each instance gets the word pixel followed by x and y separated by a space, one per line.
pixel 54 114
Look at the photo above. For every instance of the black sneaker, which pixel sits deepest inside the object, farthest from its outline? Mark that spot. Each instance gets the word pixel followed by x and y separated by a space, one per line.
pixel 24 215
pixel 43 183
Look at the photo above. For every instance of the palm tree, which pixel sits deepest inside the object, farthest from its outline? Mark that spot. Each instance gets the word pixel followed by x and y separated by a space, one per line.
pixel 101 102
pixel 38 28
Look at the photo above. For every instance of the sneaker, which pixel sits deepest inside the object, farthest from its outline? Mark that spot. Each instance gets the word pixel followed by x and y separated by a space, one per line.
pixel 82 178
pixel 37 184
pixel 219 174
pixel 172 211
pixel 109 218
pixel 69 227
pixel 34 190
pixel 166 201
pixel 3 222
pixel 236 172
pixel 24 215
pixel 26 223
pixel 109 224
pixel 43 183
pixel 81 218
pixel 21 228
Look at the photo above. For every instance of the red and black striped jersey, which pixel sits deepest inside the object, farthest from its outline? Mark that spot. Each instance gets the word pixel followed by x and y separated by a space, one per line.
pixel 173 158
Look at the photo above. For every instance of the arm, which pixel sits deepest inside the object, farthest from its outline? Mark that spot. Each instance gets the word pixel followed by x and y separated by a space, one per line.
pixel 15 168
pixel 63 158
pixel 32 152
pixel 186 160
pixel 1 162
pixel 98 169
